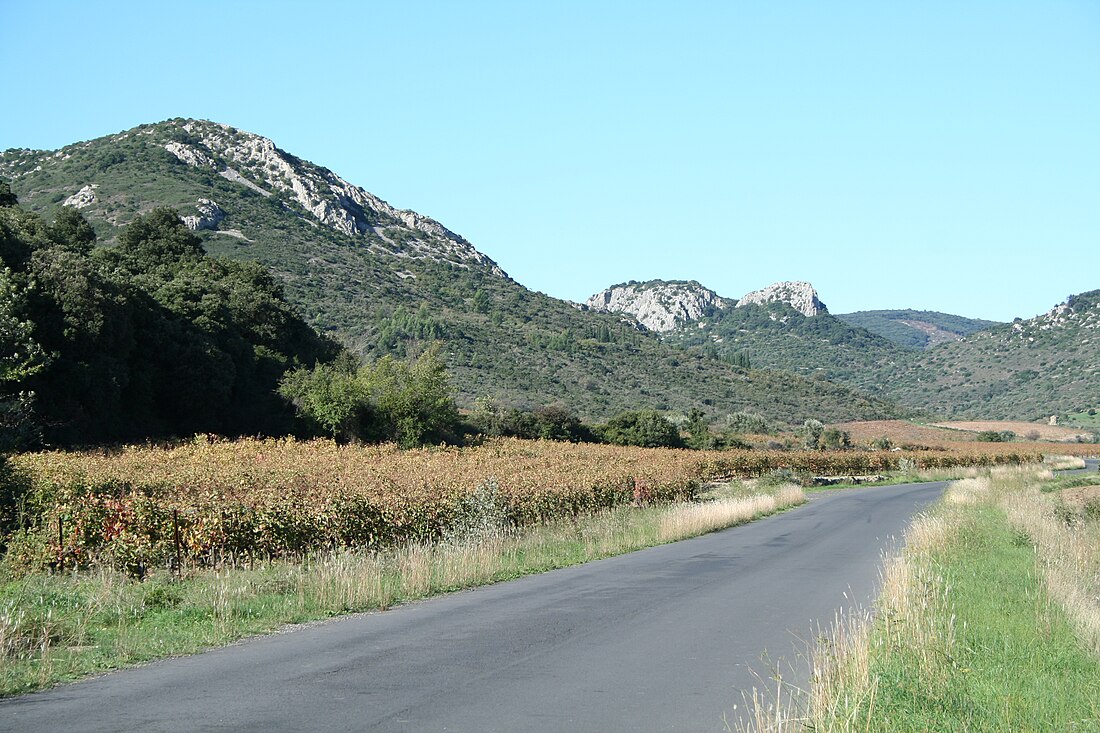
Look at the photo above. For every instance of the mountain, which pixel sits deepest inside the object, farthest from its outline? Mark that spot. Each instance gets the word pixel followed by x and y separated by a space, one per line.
pixel 1029 369
pixel 783 326
pixel 916 329
pixel 387 280
pixel 659 305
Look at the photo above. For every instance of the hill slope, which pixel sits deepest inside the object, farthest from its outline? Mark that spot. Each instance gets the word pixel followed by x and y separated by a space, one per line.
pixel 916 329
pixel 387 280
pixel 1047 365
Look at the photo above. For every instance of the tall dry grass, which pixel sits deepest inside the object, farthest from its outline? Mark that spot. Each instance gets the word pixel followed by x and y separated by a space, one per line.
pixel 914 609
pixel 1067 549
pixel 688 520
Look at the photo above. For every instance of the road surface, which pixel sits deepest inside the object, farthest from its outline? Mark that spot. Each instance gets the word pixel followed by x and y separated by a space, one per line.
pixel 664 639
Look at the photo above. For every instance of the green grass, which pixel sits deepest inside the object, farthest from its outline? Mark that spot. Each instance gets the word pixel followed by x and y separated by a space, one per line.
pixel 1015 664
pixel 57 628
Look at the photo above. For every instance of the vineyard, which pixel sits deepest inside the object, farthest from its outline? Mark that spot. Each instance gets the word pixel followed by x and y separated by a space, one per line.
pixel 207 502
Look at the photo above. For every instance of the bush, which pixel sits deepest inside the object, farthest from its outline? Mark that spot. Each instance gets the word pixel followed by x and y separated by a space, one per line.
pixel 748 422
pixel 994 436
pixel 407 402
pixel 644 428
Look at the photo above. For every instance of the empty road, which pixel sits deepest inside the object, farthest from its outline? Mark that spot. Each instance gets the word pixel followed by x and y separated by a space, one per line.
pixel 664 639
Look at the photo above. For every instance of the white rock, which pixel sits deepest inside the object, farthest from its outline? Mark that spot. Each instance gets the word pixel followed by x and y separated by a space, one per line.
pixel 658 305
pixel 329 199
pixel 209 216
pixel 82 198
pixel 799 295
pixel 190 155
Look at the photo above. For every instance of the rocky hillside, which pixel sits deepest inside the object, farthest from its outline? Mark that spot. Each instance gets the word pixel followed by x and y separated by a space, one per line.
pixel 916 329
pixel 659 305
pixel 1030 369
pixel 783 326
pixel 386 280
pixel 800 296
pixel 315 195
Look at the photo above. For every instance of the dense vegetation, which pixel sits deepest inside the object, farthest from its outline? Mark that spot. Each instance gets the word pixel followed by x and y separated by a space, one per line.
pixel 147 338
pixel 916 329
pixel 392 289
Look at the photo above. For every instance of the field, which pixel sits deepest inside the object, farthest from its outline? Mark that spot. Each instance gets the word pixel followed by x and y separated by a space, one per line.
pixel 900 432
pixel 1043 431
pixel 205 503
pixel 961 435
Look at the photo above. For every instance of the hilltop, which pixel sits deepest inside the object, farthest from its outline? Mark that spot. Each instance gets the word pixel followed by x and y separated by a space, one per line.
pixel 917 329
pixel 923 360
pixel 782 326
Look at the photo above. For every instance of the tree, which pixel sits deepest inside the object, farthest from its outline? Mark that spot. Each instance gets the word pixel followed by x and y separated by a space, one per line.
pixel 412 400
pixel 812 432
pixel 405 401
pixel 698 427
pixel 331 397
pixel 7 198
pixel 645 428
pixel 21 357
pixel 156 244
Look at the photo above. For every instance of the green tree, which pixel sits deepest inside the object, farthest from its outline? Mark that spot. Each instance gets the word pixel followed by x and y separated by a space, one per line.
pixel 698 428
pixel 412 400
pixel 21 357
pixel 406 401
pixel 330 397
pixel 645 428
pixel 7 198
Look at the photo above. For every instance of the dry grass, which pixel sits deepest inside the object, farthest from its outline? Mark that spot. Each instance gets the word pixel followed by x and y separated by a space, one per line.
pixel 694 519
pixel 917 620
pixel 1067 546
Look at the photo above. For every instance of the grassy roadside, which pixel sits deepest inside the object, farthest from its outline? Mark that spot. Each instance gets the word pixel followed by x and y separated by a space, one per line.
pixel 988 621
pixel 55 628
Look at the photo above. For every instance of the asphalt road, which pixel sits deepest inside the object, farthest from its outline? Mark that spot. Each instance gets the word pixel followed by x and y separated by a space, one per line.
pixel 665 639
pixel 1092 465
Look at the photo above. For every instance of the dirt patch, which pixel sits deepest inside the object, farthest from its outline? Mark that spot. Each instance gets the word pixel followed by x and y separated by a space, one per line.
pixel 1081 495
pixel 901 432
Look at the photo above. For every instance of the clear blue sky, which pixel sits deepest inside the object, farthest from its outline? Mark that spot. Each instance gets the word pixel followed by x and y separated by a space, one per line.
pixel 932 155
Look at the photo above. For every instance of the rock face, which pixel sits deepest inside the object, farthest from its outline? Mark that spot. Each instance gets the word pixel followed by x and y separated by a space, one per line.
pixel 209 216
pixel 799 295
pixel 254 161
pixel 659 305
pixel 82 198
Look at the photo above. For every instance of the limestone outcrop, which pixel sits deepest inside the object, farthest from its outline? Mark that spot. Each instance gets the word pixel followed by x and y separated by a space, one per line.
pixel 659 305
pixel 799 295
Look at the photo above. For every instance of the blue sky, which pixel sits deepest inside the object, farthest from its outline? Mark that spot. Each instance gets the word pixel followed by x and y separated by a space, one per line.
pixel 931 155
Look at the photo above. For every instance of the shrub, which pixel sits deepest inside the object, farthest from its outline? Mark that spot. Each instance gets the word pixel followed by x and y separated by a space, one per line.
pixel 644 428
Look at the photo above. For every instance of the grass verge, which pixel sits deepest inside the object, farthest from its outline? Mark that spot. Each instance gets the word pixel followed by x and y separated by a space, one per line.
pixel 55 628
pixel 986 622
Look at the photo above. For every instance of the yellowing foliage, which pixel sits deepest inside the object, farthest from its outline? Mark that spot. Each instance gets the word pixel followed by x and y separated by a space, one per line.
pixel 270 498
